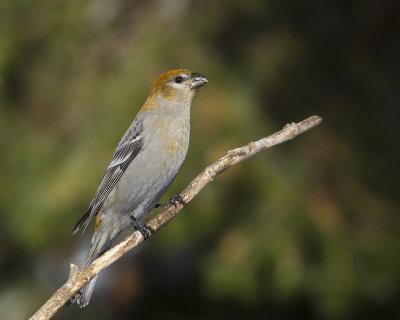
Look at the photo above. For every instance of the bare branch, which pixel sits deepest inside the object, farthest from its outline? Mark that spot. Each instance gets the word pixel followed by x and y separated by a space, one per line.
pixel 77 279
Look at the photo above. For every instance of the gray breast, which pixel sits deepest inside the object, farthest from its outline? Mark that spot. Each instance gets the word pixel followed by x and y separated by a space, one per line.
pixel 152 171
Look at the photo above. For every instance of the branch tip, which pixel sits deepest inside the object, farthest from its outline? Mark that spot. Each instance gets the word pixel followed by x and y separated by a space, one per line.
pixel 317 119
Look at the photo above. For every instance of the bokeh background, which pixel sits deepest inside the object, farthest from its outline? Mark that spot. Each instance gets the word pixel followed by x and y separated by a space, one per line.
pixel 307 230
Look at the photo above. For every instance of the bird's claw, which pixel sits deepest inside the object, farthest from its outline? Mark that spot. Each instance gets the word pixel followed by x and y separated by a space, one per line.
pixel 74 299
pixel 143 228
pixel 170 202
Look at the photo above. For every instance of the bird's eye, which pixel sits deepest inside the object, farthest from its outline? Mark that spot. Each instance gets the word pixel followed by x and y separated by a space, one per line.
pixel 178 79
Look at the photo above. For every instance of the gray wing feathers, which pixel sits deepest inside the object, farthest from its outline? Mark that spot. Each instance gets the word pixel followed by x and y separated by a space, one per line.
pixel 128 148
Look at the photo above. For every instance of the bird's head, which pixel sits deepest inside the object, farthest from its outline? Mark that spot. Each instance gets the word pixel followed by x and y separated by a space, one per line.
pixel 179 85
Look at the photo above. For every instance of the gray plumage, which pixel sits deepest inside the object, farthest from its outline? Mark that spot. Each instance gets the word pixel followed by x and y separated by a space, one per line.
pixel 144 164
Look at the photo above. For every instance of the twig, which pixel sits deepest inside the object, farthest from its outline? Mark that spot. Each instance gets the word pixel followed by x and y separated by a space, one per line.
pixel 77 279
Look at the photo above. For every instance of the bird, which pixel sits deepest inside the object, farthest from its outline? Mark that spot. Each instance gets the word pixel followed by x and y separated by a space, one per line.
pixel 143 166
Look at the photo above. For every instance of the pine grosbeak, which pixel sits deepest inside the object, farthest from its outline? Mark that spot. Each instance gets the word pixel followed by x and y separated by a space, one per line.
pixel 143 166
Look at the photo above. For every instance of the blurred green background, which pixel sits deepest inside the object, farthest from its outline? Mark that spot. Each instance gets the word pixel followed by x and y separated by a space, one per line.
pixel 307 230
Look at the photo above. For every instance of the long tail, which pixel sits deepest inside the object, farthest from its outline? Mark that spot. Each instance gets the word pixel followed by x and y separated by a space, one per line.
pixel 101 242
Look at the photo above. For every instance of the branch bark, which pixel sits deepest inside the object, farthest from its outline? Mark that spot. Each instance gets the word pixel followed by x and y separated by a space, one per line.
pixel 78 278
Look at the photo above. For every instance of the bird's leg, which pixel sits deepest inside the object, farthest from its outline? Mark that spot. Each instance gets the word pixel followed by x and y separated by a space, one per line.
pixel 170 202
pixel 143 228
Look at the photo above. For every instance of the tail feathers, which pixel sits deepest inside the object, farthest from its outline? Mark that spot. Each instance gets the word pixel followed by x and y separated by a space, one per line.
pixel 100 244
pixel 86 293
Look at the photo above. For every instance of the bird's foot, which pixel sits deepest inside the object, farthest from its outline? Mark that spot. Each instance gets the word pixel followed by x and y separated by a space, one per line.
pixel 170 202
pixel 74 299
pixel 143 228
